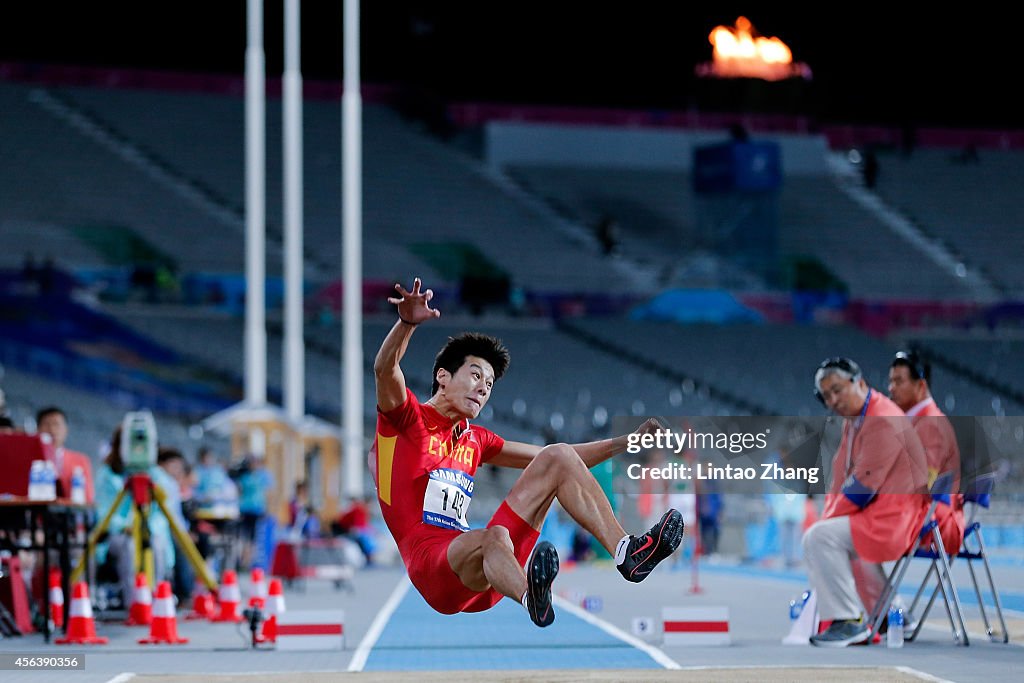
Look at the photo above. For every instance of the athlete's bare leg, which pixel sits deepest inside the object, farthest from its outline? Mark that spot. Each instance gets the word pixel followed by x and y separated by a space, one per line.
pixel 484 557
pixel 558 473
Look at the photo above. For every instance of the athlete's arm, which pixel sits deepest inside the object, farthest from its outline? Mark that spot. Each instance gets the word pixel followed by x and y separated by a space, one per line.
pixel 515 454
pixel 595 452
pixel 518 455
pixel 413 309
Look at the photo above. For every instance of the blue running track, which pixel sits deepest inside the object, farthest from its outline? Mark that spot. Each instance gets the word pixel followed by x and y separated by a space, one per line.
pixel 418 638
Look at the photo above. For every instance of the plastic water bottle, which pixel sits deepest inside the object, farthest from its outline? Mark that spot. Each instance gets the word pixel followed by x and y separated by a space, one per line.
pixel 35 480
pixel 894 636
pixel 50 479
pixel 78 486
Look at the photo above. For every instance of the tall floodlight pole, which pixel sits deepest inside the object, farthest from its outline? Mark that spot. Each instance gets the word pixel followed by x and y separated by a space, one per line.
pixel 255 210
pixel 352 228
pixel 294 350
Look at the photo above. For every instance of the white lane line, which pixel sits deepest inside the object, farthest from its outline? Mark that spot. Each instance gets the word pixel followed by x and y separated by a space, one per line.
pixel 922 675
pixel 810 667
pixel 614 631
pixel 379 622
pixel 122 677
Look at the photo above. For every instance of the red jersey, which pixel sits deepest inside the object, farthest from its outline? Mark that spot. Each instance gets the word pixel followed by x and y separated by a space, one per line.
pixel 423 465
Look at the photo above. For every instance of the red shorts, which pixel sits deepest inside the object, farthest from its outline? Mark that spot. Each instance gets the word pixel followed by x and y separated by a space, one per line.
pixel 425 553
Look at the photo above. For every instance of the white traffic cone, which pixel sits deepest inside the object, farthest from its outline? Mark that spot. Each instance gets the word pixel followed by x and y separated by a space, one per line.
pixel 81 626
pixel 229 598
pixel 275 608
pixel 56 599
pixel 164 628
pixel 141 611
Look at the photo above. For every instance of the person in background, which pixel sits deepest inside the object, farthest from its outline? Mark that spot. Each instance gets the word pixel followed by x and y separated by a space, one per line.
pixel 354 523
pixel 910 389
pixel 874 507
pixel 117 551
pixel 254 484
pixel 709 512
pixel 788 509
pixel 170 477
pixel 52 422
pixel 7 425
pixel 52 426
pixel 302 519
pixel 213 485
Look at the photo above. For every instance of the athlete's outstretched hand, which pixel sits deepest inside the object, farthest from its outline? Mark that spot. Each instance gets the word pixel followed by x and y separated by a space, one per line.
pixel 414 307
pixel 650 426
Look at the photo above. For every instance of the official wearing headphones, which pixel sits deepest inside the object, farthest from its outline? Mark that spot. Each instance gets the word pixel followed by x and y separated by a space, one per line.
pixel 836 365
pixel 865 522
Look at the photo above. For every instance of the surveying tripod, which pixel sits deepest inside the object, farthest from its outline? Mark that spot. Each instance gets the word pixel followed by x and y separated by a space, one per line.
pixel 143 489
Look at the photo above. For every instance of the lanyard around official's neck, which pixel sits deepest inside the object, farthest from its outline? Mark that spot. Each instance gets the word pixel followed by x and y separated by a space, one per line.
pixel 854 429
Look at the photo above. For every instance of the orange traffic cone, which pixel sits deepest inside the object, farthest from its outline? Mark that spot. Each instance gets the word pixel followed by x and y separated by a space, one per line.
pixel 81 627
pixel 165 624
pixel 141 611
pixel 203 606
pixel 275 606
pixel 259 584
pixel 229 597
pixel 56 599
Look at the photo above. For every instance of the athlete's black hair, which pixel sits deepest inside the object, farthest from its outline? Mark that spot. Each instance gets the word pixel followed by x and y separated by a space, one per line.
pixel 453 354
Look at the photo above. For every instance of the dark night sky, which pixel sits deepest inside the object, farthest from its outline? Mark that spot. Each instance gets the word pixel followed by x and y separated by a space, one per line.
pixel 870 65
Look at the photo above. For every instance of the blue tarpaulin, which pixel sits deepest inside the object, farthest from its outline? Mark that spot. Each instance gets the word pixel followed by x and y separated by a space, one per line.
pixel 696 306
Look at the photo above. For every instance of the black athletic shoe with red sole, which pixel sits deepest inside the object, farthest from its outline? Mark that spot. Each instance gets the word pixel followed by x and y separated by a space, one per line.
pixel 645 552
pixel 541 571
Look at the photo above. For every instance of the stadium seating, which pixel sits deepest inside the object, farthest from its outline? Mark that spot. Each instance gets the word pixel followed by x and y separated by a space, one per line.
pixel 90 166
pixel 939 189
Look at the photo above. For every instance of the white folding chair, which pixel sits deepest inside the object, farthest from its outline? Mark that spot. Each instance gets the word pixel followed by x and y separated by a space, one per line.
pixel 927 544
pixel 976 497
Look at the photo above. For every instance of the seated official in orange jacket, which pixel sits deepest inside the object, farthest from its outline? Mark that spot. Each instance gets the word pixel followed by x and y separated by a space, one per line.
pixel 910 389
pixel 874 507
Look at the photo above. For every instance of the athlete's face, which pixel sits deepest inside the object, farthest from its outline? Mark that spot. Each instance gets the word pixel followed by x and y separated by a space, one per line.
pixel 468 390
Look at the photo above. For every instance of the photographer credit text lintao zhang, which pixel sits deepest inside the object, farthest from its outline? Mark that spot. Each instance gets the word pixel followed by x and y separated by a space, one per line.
pixel 767 471
pixel 735 443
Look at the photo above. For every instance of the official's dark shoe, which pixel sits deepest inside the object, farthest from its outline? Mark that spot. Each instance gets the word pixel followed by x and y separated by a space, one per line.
pixel 841 633
pixel 541 571
pixel 645 552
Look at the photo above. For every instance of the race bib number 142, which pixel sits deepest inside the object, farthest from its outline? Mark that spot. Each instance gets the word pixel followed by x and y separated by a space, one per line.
pixel 446 501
